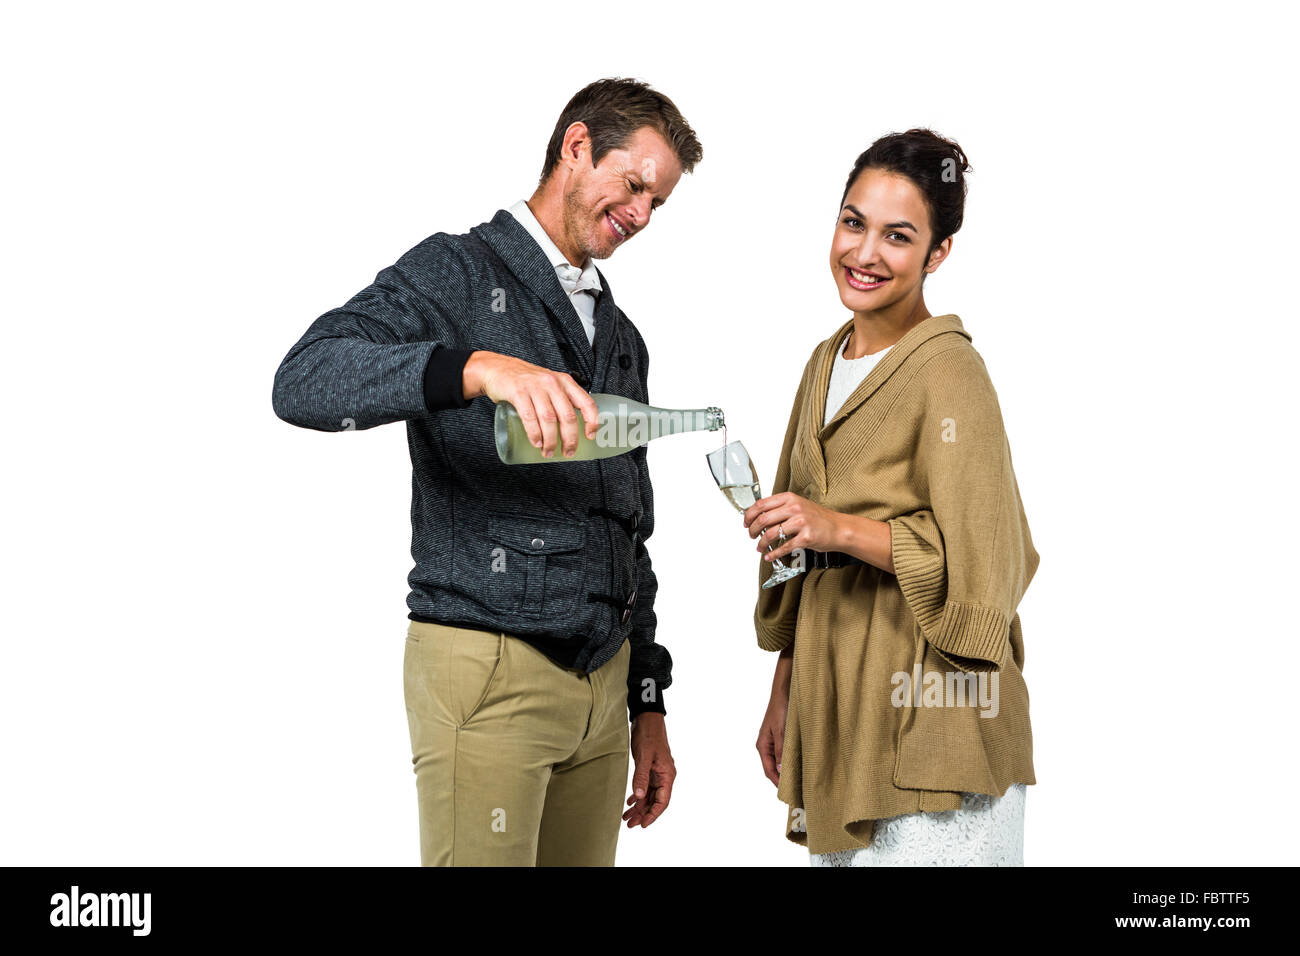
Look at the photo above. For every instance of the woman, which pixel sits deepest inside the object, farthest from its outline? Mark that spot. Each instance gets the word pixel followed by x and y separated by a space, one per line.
pixel 898 728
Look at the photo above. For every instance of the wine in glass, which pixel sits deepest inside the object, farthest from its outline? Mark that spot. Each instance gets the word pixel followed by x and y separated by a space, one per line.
pixel 738 478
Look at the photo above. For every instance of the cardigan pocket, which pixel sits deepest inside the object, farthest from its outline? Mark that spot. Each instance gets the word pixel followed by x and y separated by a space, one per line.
pixel 539 561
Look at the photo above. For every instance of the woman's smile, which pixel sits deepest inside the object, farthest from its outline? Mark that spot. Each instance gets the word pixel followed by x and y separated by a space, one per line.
pixel 865 281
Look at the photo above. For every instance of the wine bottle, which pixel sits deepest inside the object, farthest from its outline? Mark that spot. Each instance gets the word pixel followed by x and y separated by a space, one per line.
pixel 624 424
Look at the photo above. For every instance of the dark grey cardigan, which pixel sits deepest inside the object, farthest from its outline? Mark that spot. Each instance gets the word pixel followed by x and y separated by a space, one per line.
pixel 551 553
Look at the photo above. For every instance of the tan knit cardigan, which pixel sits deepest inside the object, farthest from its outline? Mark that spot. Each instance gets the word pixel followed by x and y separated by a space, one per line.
pixel 919 444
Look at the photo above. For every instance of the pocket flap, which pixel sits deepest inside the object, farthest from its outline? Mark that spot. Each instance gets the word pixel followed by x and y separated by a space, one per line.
pixel 536 535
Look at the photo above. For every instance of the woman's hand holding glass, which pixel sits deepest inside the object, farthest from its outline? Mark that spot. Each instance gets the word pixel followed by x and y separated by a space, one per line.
pixel 804 523
pixel 734 471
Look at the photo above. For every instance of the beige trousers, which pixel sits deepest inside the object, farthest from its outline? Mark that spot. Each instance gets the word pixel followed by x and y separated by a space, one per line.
pixel 518 761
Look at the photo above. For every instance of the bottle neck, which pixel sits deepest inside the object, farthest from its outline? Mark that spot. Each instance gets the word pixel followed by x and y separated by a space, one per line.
pixel 628 424
pixel 673 421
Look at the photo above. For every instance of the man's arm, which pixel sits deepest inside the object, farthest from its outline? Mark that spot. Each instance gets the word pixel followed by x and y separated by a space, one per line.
pixel 396 350
pixel 650 666
pixel 391 352
pixel 649 672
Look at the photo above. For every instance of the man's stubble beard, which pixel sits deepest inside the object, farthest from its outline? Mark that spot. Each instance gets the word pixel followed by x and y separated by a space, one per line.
pixel 576 218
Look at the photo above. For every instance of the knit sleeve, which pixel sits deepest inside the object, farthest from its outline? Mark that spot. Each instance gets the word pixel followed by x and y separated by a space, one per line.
pixel 391 352
pixel 778 607
pixel 964 562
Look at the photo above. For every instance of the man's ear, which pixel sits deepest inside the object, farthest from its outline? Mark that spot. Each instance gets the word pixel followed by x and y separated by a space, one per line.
pixel 577 141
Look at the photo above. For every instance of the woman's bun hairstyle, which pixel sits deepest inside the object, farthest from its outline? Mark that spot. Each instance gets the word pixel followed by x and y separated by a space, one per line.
pixel 936 164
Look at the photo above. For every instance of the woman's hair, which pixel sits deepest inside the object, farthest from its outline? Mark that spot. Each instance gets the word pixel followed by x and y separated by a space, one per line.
pixel 934 163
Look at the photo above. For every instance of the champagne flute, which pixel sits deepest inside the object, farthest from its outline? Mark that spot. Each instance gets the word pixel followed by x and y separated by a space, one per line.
pixel 738 478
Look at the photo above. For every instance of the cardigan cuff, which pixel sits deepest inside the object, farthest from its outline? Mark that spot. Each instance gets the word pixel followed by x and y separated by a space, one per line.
pixel 772 638
pixel 971 637
pixel 635 705
pixel 442 378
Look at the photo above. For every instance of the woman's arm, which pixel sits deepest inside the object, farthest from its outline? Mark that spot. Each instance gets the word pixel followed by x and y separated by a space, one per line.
pixel 806 524
pixel 784 667
pixel 864 538
pixel 964 559
pixel 771 735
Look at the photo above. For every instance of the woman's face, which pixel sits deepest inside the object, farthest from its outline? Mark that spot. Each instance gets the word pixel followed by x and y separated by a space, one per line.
pixel 878 254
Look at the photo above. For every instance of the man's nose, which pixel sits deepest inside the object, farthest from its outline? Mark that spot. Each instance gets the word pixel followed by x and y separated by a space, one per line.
pixel 640 211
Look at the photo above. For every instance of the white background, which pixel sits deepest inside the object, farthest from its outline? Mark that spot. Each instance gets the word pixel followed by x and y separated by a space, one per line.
pixel 204 607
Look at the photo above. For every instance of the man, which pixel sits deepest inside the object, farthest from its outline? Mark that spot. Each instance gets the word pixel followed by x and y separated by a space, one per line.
pixel 532 630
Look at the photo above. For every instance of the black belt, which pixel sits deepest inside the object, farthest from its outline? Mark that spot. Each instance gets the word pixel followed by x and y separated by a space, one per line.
pixel 829 559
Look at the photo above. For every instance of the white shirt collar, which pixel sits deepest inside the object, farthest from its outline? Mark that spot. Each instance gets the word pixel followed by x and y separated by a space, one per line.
pixel 571 277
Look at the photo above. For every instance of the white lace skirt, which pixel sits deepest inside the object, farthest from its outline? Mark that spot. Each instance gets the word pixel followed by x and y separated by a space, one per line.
pixel 986 831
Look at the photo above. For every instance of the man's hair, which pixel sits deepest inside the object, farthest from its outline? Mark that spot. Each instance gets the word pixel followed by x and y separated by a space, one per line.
pixel 613 110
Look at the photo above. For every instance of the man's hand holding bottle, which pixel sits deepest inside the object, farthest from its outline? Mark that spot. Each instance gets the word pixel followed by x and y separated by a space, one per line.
pixel 542 398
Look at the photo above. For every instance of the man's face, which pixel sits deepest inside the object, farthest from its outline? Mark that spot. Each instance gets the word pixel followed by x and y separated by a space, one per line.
pixel 606 205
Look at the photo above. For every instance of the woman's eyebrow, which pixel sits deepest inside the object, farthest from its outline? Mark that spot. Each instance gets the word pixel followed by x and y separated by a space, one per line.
pixel 901 224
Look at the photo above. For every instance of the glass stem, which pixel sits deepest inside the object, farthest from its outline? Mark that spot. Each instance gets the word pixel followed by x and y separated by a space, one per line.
pixel 776 562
